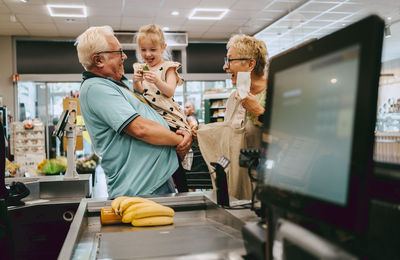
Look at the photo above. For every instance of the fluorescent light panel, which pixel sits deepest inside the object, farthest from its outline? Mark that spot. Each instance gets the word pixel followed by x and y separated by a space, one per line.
pixel 67 10
pixel 280 40
pixel 207 14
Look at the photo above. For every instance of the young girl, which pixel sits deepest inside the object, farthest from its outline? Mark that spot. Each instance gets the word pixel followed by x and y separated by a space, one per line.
pixel 157 79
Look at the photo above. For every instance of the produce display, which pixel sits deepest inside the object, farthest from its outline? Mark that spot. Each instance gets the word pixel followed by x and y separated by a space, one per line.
pixel 137 211
pixel 59 165
pixel 12 167
pixel 52 166
pixel 87 165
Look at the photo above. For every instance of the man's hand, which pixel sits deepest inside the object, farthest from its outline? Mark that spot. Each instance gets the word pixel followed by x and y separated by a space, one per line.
pixel 183 147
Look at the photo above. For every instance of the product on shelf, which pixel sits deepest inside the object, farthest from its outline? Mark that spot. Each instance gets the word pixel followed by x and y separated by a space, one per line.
pixel 87 165
pixel 12 167
pixel 28 145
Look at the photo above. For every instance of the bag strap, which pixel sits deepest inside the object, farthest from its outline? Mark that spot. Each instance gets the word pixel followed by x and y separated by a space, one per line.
pixel 230 120
pixel 89 75
pixel 139 97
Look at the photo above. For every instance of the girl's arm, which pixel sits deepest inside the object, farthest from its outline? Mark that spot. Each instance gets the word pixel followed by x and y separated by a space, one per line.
pixel 168 87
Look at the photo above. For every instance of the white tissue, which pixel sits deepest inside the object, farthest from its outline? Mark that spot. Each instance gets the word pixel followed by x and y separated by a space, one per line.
pixel 243 83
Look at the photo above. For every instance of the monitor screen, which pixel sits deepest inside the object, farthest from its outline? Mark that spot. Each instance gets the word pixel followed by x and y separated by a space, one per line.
pixel 312 126
pixel 62 121
pixel 318 136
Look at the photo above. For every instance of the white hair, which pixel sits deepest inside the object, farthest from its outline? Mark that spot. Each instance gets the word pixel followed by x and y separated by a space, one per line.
pixel 93 40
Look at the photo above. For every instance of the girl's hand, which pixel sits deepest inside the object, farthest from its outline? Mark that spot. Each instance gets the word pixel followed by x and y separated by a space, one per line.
pixel 184 146
pixel 251 104
pixel 138 76
pixel 151 77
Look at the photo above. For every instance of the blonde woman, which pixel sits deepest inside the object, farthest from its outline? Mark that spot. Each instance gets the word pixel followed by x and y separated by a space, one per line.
pixel 246 54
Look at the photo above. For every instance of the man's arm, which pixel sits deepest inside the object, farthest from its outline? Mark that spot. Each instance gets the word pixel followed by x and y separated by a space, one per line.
pixel 152 132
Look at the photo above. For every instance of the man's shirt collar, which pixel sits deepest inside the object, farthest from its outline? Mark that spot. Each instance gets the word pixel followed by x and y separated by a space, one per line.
pixel 87 75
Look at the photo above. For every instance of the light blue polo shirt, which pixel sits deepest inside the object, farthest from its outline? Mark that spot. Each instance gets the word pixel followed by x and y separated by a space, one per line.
pixel 132 167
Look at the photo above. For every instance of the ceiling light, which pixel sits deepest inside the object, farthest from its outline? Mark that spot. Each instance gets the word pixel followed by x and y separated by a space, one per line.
pixel 24 1
pixel 175 13
pixel 165 28
pixel 207 14
pixel 13 18
pixel 67 10
pixel 388 33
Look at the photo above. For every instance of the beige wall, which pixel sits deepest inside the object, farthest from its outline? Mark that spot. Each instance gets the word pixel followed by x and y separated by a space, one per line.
pixel 6 70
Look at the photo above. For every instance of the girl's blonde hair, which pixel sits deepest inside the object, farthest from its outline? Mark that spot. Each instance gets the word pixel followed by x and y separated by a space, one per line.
pixel 152 31
pixel 156 35
pixel 93 40
pixel 249 47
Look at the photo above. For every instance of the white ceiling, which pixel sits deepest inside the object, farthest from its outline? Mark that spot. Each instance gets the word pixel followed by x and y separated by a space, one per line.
pixel 307 19
pixel 316 18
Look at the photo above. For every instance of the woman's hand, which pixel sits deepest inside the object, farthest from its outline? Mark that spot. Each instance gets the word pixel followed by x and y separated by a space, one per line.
pixel 251 104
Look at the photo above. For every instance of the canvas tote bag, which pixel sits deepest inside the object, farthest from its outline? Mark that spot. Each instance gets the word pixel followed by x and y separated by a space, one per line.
pixel 222 139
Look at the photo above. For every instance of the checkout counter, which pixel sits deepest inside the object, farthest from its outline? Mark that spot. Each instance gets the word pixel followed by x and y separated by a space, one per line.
pixel 201 230
pixel 57 222
pixel 40 223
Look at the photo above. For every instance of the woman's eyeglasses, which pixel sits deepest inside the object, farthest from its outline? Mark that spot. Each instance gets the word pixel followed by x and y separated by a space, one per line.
pixel 228 61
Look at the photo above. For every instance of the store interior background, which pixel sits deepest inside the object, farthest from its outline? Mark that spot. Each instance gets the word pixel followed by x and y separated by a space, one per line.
pixel 39 47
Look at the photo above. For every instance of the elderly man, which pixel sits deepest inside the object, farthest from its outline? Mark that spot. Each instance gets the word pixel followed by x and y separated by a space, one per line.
pixel 137 148
pixel 191 118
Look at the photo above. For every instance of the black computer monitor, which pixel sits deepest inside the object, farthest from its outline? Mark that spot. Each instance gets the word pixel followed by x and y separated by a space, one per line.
pixel 62 122
pixel 318 136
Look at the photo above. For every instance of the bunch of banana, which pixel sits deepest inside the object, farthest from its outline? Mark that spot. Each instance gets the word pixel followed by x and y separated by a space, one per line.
pixel 120 204
pixel 140 212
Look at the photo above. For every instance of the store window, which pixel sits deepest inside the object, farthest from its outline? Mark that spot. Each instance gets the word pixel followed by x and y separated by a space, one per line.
pixel 44 100
pixel 57 92
pixel 31 99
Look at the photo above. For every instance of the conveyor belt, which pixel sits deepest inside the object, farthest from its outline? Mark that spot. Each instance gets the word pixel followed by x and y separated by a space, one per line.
pixel 202 232
pixel 164 243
